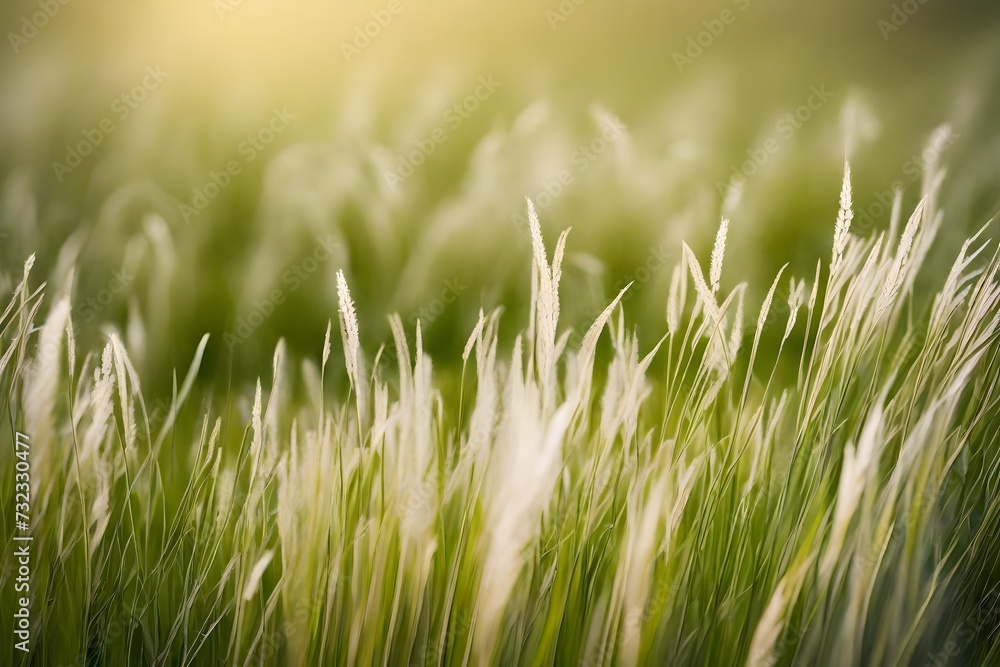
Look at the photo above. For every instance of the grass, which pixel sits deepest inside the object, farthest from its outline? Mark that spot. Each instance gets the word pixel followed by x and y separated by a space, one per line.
pixel 548 512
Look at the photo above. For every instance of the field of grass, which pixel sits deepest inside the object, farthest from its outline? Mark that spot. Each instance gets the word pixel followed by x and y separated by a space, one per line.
pixel 545 513
pixel 576 334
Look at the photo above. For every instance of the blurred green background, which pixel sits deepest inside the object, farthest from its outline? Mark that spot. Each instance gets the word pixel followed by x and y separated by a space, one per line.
pixel 171 98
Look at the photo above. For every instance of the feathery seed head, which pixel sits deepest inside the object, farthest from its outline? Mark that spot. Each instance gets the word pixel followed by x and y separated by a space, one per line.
pixel 718 253
pixel 842 231
pixel 349 329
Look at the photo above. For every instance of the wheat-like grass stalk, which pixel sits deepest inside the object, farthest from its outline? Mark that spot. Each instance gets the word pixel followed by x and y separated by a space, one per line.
pixel 842 230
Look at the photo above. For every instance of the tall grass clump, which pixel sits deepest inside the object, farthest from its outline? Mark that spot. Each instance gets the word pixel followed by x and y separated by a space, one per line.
pixel 552 510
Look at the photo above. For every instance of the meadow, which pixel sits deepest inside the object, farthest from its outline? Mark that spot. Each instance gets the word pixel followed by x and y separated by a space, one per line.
pixel 345 336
